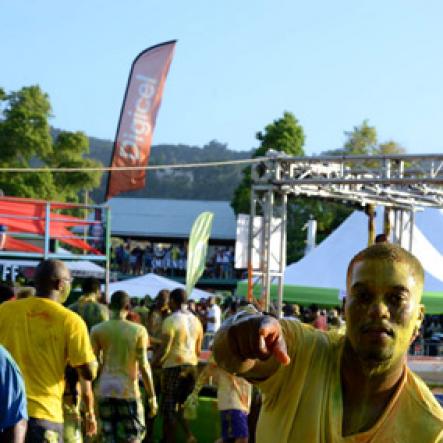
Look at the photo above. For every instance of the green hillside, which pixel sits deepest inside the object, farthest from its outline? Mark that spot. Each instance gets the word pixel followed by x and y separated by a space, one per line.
pixel 215 183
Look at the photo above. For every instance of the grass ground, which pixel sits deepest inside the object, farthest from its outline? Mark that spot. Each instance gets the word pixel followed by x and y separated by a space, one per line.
pixel 206 427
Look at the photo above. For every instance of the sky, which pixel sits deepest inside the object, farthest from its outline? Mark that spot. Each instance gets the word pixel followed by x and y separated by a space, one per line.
pixel 238 65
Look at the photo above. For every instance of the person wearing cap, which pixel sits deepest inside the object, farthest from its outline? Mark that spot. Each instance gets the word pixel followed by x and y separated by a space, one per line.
pixel 327 387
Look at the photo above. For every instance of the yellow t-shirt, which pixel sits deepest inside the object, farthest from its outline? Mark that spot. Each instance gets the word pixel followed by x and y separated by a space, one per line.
pixel 183 329
pixel 124 346
pixel 302 402
pixel 43 336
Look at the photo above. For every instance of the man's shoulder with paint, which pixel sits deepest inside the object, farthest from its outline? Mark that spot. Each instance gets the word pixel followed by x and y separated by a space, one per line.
pixel 422 396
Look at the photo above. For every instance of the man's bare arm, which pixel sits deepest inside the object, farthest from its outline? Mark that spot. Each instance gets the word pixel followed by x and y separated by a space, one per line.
pixel 163 350
pixel 198 343
pixel 88 371
pixel 148 381
pixel 253 347
pixel 88 402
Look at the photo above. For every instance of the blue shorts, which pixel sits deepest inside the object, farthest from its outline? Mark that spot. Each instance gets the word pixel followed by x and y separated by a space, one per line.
pixel 234 424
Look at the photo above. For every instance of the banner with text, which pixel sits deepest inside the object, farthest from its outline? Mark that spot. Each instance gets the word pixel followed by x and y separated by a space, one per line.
pixel 198 248
pixel 142 100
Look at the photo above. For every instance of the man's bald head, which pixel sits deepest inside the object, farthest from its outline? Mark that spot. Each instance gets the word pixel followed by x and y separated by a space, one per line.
pixel 48 275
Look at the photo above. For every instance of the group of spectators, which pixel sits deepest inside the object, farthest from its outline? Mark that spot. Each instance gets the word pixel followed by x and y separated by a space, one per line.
pixel 430 339
pixel 142 350
pixel 153 258
pixel 325 320
pixel 170 260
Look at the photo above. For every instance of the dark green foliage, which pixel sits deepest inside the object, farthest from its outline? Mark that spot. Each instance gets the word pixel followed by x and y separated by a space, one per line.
pixel 214 183
pixel 284 134
pixel 26 140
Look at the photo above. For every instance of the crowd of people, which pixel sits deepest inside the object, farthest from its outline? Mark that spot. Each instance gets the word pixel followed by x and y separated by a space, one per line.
pixel 142 350
pixel 170 260
pixel 97 372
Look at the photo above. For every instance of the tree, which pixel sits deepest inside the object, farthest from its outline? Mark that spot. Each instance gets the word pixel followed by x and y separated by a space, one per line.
pixel 363 140
pixel 390 147
pixel 69 150
pixel 284 134
pixel 25 141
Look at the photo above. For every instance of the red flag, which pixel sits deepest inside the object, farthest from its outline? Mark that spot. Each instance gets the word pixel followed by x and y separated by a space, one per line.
pixel 137 119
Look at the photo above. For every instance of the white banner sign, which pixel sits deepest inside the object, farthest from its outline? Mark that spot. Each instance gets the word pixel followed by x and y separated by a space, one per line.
pixel 241 244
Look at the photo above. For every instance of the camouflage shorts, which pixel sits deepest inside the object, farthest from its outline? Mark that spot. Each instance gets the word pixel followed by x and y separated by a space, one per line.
pixel 121 419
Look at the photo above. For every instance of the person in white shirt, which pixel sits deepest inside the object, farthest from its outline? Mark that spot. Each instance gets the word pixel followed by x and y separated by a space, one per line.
pixel 213 321
pixel 213 316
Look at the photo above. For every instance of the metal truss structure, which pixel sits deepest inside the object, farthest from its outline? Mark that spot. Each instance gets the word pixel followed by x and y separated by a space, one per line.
pixel 401 183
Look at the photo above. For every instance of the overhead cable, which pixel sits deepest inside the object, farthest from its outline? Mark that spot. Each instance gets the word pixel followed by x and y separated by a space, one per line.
pixel 139 168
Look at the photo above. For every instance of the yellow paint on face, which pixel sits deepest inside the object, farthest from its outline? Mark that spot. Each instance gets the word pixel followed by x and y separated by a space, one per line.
pixel 382 310
pixel 65 290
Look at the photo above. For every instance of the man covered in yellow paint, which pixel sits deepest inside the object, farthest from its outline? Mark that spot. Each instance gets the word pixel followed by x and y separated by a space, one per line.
pixel 43 337
pixel 323 387
pixel 121 347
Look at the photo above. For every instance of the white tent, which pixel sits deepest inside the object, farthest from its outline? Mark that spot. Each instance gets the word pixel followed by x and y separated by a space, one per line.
pixel 85 268
pixel 430 222
pixel 151 284
pixel 322 273
pixel 325 266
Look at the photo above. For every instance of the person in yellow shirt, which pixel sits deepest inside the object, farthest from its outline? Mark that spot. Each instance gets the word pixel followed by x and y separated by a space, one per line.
pixel 326 387
pixel 182 335
pixel 122 347
pixel 43 337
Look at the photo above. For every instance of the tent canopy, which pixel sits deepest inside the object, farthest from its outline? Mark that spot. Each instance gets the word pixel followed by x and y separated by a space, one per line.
pixel 151 284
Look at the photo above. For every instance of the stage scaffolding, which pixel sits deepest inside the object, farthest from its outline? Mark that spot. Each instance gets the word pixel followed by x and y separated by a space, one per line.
pixel 403 184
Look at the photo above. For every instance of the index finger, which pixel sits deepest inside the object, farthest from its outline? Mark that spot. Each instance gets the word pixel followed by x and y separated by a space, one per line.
pixel 271 341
